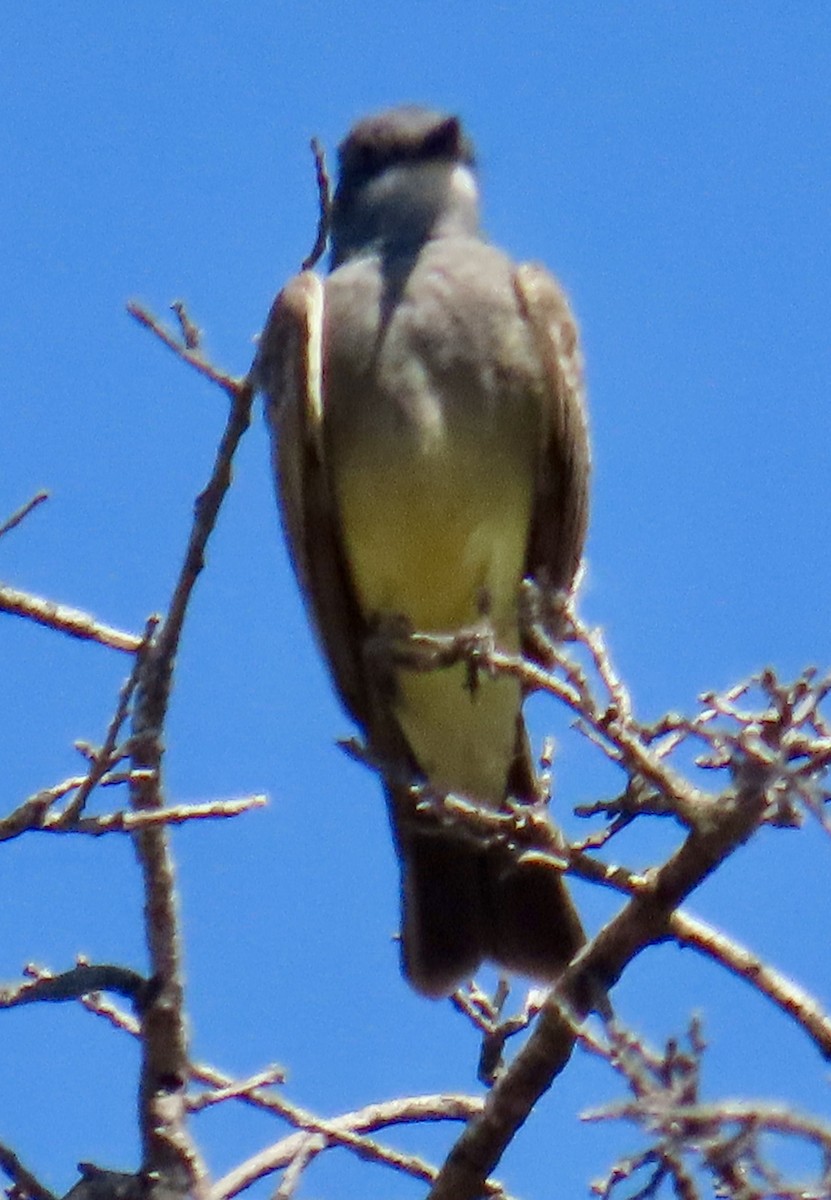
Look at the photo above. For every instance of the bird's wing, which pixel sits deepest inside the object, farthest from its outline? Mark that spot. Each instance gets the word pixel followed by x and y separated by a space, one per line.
pixel 561 504
pixel 289 370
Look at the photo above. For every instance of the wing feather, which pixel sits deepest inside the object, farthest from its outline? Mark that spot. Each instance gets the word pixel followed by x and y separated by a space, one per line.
pixel 289 371
pixel 561 505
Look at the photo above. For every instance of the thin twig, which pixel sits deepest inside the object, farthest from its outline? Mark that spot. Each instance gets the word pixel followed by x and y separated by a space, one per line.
pixel 307 1152
pixel 721 1137
pixel 644 920
pixel 23 512
pixel 793 1000
pixel 32 816
pixel 615 734
pixel 349 1132
pixel 132 822
pixel 324 207
pixel 168 1151
pixel 193 358
pixel 85 977
pixel 191 333
pixel 102 760
pixel 65 619
pixel 240 1087
pixel 25 1183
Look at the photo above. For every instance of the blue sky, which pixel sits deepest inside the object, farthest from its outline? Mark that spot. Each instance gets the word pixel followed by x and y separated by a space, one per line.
pixel 672 164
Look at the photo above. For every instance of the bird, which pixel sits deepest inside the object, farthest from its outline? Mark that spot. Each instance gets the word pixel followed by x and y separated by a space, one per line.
pixel 431 452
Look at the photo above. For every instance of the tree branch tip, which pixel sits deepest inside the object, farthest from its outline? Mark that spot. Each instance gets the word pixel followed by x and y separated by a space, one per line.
pixel 139 313
pixel 151 625
pixel 324 206
pixel 21 513
pixel 191 333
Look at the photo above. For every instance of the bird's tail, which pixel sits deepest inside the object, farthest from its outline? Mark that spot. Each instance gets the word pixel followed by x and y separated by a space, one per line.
pixel 465 901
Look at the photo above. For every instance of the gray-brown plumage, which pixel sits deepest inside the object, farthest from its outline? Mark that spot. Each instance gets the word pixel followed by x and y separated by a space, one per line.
pixel 431 451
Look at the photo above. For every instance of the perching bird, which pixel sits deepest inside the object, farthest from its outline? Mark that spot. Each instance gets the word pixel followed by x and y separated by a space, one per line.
pixel 431 451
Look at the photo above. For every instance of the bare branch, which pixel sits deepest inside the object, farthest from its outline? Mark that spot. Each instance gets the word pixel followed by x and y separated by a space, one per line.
pixel 65 619
pixel 237 1089
pixel 793 1000
pixel 132 822
pixel 306 1153
pixel 193 357
pixel 72 985
pixel 30 814
pixel 644 920
pixel 324 207
pixel 100 1006
pixel 33 816
pixel 613 731
pixel 102 761
pixel 688 930
pixel 317 1133
pixel 347 1131
pixel 722 1138
pixel 168 1152
pixel 25 1185
pixel 22 513
pixel 191 333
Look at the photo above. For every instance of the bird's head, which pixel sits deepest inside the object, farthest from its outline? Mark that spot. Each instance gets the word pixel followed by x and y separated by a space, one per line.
pixel 405 175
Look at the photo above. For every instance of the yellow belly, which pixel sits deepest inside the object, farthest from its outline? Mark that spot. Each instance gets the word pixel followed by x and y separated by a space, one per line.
pixel 435 537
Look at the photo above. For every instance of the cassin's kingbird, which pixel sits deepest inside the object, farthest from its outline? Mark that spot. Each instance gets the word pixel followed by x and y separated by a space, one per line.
pixel 431 452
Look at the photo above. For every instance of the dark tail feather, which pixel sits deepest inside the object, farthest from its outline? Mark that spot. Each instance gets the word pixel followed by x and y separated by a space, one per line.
pixel 443 933
pixel 463 903
pixel 533 925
